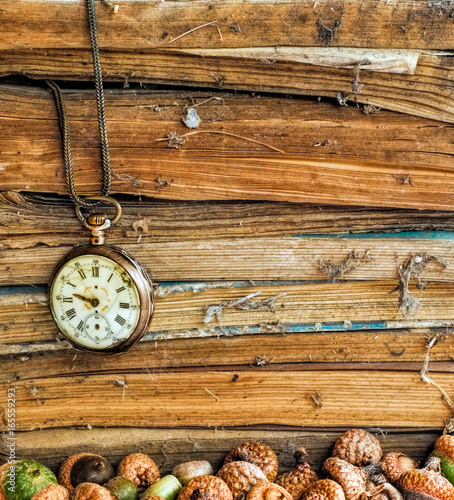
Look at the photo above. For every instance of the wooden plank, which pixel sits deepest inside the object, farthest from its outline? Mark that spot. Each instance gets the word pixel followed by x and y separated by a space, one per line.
pixel 171 447
pixel 397 23
pixel 341 156
pixel 28 221
pixel 274 258
pixel 345 398
pixel 349 306
pixel 426 92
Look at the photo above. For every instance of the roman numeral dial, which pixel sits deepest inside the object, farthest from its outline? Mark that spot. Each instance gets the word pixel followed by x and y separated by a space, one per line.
pixel 95 301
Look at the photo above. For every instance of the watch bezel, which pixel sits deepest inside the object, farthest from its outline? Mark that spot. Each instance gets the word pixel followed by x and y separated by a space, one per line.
pixel 139 276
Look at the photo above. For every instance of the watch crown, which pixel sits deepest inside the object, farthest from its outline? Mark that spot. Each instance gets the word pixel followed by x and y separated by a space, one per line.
pixel 96 219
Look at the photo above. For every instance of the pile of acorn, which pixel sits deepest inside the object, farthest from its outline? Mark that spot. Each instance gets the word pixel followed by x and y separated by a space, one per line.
pixel 356 470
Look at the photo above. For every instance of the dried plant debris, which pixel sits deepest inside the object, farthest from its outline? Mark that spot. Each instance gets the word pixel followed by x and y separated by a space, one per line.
pixel 356 84
pixel 262 360
pixel 243 304
pixel 414 266
pixel 404 179
pixel 161 182
pixel 174 140
pixel 350 263
pixel 325 34
pixel 342 98
pixel 370 109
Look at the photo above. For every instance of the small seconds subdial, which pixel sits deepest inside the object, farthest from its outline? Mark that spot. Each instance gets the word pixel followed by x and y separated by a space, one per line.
pixel 95 302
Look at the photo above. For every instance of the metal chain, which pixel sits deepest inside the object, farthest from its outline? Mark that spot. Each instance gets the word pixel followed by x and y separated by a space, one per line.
pixel 64 125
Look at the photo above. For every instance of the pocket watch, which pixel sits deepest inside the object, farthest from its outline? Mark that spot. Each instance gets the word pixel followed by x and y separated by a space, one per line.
pixel 100 297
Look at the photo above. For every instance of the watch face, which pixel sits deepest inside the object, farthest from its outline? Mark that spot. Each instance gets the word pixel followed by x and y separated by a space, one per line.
pixel 95 301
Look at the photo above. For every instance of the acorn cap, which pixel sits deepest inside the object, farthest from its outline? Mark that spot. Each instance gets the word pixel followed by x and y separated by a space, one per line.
pixel 445 444
pixel 64 473
pixel 3 469
pixel 140 469
pixel 258 454
pixel 209 487
pixel 426 482
pixel 241 476
pixel 324 489
pixel 351 478
pixel 358 447
pixel 52 492
pixel 265 490
pixel 394 464
pixel 92 491
pixel 298 480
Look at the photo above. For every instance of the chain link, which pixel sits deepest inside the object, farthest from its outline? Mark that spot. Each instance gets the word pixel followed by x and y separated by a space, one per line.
pixel 64 125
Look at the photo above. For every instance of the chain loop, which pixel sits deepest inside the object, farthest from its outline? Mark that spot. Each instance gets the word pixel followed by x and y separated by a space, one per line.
pixel 64 124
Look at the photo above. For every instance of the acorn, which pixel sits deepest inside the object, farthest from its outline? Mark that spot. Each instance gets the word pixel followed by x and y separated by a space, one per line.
pixel 91 469
pixel 140 469
pixel 351 478
pixel 152 497
pixel 444 450
pixel 298 480
pixel 167 487
pixel 394 464
pixel 92 491
pixel 207 488
pixel 324 489
pixel 258 454
pixel 122 488
pixel 264 490
pixel 358 447
pixel 426 483
pixel 52 492
pixel 64 473
pixel 188 470
pixel 241 476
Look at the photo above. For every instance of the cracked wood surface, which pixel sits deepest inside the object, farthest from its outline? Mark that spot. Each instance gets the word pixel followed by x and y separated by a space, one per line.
pixel 427 93
pixel 151 24
pixel 333 154
pixel 171 447
pixel 184 399
pixel 352 305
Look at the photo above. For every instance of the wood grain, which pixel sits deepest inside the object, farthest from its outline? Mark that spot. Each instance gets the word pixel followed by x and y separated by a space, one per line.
pixel 341 156
pixel 28 221
pixel 171 447
pixel 415 24
pixel 347 398
pixel 427 93
pixel 298 307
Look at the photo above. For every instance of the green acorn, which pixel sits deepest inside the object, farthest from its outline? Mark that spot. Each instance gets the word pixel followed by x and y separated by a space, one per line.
pixel 25 478
pixel 444 450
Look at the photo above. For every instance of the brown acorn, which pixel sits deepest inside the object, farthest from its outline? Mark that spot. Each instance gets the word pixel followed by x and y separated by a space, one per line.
pixel 241 476
pixel 258 454
pixel 394 464
pixel 64 473
pixel 205 487
pixel 351 478
pixel 358 447
pixel 426 483
pixel 52 492
pixel 324 489
pixel 92 491
pixel 140 469
pixel 445 444
pixel 265 490
pixel 298 480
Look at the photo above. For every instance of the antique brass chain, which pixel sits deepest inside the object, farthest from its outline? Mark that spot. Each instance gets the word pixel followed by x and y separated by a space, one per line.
pixel 64 125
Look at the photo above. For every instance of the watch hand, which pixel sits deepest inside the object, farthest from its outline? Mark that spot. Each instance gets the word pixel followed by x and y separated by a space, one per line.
pixel 94 301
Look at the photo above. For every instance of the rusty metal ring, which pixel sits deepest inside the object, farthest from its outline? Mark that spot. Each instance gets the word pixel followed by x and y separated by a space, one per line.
pixel 107 199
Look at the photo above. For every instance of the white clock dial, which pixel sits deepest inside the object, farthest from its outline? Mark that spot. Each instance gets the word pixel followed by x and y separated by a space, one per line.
pixel 95 302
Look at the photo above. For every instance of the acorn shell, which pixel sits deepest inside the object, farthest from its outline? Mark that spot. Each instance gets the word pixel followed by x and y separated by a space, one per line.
pixel 211 487
pixel 92 491
pixel 64 473
pixel 427 482
pixel 52 492
pixel 258 454
pixel 394 464
pixel 358 447
pixel 140 469
pixel 265 490
pixel 351 478
pixel 241 476
pixel 324 489
pixel 298 480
